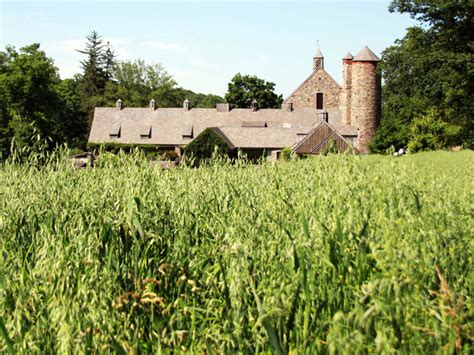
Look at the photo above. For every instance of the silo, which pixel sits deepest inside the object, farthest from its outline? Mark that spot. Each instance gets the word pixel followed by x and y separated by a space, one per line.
pixel 365 98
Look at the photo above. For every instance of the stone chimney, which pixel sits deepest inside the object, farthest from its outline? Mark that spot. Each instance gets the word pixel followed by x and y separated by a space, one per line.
pixel 152 105
pixel 186 105
pixel 119 104
pixel 225 107
pixel 254 105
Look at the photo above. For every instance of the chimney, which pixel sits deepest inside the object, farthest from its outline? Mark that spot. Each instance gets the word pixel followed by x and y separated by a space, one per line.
pixel 119 104
pixel 152 105
pixel 223 107
pixel 289 106
pixel 254 105
pixel 186 105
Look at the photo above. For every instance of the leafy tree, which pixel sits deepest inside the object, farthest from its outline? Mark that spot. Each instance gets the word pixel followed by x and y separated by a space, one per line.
pixel 197 100
pixel 137 82
pixel 73 116
pixel 30 102
pixel 243 89
pixel 430 132
pixel 432 67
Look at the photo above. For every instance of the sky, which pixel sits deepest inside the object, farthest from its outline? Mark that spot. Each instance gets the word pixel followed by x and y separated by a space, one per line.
pixel 203 44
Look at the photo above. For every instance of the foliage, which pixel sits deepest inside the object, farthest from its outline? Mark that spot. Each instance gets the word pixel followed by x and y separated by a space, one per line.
pixel 286 153
pixel 430 132
pixel 204 146
pixel 430 68
pixel 236 259
pixel 28 81
pixel 243 89
pixel 94 76
pixel 197 100
pixel 138 82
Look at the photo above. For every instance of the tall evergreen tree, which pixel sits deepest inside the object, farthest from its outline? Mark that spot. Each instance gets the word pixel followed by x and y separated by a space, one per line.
pixel 108 61
pixel 94 74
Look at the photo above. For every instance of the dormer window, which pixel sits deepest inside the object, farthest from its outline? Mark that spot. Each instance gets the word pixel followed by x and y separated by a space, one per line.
pixel 188 132
pixel 146 133
pixel 115 132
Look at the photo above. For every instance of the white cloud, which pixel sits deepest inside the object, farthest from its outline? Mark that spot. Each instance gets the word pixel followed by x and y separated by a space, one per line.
pixel 166 46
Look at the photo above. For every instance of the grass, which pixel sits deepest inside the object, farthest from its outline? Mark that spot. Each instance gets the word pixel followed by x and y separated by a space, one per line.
pixel 329 254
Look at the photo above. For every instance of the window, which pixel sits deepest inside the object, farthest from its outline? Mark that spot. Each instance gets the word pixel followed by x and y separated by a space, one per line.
pixel 319 101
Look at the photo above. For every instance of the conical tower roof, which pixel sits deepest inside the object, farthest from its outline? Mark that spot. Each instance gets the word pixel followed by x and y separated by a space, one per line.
pixel 318 54
pixel 366 55
pixel 348 56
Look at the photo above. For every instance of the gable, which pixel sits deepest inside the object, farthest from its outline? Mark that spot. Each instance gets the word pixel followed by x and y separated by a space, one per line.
pixel 318 82
pixel 322 138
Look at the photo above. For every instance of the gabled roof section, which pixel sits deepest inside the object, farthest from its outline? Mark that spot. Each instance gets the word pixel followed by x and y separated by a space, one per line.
pixel 314 73
pixel 222 135
pixel 366 55
pixel 319 138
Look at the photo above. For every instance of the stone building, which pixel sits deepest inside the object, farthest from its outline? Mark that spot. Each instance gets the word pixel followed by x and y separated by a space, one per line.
pixel 357 102
pixel 318 114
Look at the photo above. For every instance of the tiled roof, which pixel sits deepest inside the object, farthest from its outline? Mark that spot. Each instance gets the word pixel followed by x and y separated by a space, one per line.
pixel 366 55
pixel 175 126
pixel 348 56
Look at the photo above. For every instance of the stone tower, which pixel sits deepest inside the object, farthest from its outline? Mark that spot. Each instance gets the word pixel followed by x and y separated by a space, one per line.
pixel 346 91
pixel 365 96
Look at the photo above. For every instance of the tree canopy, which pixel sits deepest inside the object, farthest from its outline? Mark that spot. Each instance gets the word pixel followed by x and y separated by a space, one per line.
pixel 35 101
pixel 429 72
pixel 243 89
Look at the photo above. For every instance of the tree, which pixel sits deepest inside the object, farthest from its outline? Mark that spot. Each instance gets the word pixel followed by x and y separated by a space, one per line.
pixel 243 89
pixel 432 67
pixel 197 100
pixel 30 101
pixel 94 74
pixel 137 82
pixel 108 62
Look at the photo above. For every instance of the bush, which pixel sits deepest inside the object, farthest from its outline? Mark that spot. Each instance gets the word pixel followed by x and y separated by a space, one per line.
pixel 429 132
pixel 286 153
pixel 206 145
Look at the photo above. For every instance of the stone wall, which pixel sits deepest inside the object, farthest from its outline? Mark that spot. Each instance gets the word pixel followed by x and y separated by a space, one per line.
pixel 346 92
pixel 318 82
pixel 365 102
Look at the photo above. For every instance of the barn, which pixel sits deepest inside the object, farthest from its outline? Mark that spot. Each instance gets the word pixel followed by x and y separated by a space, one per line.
pixel 319 115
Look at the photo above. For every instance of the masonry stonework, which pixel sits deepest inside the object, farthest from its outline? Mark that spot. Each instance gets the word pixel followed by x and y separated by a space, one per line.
pixel 346 92
pixel 318 82
pixel 365 105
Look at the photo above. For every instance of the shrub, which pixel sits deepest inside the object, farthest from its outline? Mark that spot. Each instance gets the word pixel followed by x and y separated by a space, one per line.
pixel 206 145
pixel 286 153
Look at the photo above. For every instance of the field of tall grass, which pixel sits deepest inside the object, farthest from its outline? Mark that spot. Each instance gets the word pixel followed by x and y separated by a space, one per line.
pixel 336 254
